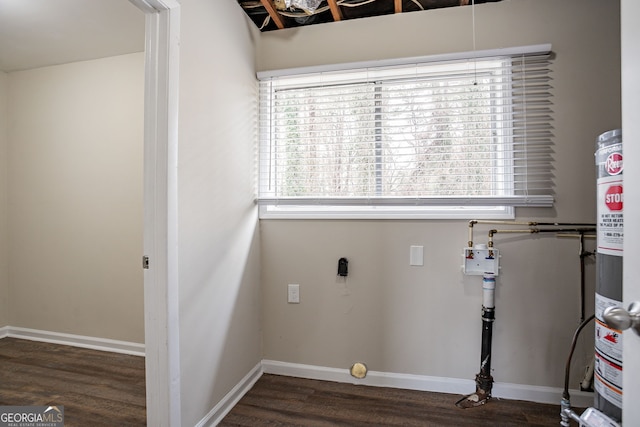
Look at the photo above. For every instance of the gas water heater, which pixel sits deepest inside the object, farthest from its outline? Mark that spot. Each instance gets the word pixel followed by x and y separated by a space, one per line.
pixel 610 234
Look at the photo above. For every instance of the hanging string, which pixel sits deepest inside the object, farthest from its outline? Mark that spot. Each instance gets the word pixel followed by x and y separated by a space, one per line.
pixel 473 30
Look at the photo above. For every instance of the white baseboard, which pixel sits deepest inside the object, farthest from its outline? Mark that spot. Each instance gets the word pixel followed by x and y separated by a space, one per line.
pixel 102 344
pixel 229 401
pixel 541 394
pixel 529 393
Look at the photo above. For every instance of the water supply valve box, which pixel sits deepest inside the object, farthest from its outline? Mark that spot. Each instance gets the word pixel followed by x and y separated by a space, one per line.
pixel 480 260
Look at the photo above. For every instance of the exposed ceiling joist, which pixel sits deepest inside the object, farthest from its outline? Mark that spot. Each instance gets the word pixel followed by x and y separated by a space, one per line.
pixel 278 14
pixel 273 13
pixel 335 10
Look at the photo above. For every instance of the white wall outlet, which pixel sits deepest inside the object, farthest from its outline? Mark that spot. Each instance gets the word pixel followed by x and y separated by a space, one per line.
pixel 416 255
pixel 293 294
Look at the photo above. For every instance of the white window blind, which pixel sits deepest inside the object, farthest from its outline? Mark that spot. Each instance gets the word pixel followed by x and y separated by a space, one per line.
pixel 426 137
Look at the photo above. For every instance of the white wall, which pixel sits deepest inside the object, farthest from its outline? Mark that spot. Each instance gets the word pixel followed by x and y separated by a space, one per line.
pixel 426 320
pixel 217 230
pixel 631 135
pixel 75 198
pixel 4 221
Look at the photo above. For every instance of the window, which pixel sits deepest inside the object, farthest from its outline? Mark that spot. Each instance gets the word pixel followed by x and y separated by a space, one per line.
pixel 438 139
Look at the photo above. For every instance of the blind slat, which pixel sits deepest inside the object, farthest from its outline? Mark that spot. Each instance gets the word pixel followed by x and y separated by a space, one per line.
pixel 409 201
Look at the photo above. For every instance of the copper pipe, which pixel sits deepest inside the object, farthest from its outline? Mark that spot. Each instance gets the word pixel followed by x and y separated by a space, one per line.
pixel 529 224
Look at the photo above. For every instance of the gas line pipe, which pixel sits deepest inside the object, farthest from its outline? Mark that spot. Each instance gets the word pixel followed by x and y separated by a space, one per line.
pixel 535 230
pixel 566 413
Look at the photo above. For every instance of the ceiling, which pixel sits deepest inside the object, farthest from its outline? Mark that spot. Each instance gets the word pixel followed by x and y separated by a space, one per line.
pixel 279 14
pixel 38 33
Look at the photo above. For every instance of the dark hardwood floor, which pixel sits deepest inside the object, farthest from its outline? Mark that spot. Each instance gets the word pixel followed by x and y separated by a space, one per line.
pixel 96 388
pixel 108 389
pixel 284 401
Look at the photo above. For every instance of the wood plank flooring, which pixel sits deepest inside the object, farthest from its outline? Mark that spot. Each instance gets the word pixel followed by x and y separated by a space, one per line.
pixel 96 388
pixel 108 389
pixel 284 401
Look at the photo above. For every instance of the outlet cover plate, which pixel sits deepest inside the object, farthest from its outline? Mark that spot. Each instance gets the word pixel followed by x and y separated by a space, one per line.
pixel 416 255
pixel 293 294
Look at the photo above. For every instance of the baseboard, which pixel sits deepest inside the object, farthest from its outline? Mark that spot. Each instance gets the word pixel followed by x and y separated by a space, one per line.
pixel 227 403
pixel 4 332
pixel 541 394
pixel 427 383
pixel 102 344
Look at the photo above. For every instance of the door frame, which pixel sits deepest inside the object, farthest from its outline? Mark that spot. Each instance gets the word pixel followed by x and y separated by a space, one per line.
pixel 630 88
pixel 161 318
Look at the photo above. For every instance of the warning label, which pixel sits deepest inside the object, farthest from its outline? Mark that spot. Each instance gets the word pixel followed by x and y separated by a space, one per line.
pixel 610 217
pixel 602 303
pixel 608 380
pixel 608 358
pixel 609 341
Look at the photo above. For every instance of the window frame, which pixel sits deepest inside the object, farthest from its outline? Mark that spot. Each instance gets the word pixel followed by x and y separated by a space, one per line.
pixel 395 208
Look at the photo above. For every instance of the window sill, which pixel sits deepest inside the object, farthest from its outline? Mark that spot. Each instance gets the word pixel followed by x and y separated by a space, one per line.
pixel 385 212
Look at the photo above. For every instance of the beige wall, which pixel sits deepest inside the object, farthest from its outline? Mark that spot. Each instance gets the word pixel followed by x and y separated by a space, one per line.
pixel 426 320
pixel 218 256
pixel 4 221
pixel 75 198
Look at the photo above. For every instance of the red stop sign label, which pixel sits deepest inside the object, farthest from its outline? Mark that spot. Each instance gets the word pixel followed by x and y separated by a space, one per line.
pixel 613 198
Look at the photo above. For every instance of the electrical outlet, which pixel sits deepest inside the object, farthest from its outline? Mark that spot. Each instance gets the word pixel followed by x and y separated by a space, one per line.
pixel 293 294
